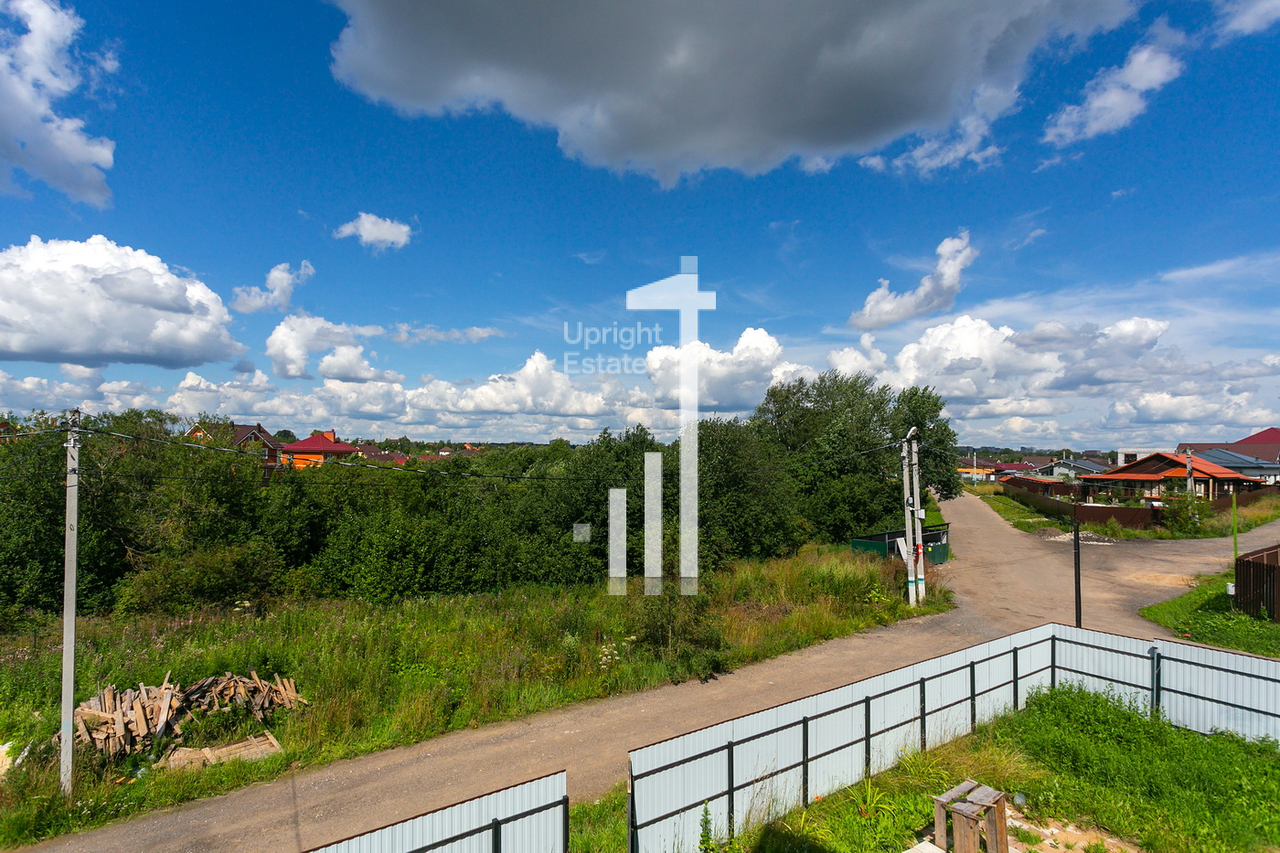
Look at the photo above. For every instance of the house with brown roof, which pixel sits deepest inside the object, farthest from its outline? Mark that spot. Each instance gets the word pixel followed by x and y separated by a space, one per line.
pixel 244 436
pixel 374 453
pixel 1159 474
pixel 317 450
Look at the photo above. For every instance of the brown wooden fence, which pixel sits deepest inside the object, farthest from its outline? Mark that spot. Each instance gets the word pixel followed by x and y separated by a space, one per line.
pixel 1128 516
pixel 1256 582
pixel 1244 498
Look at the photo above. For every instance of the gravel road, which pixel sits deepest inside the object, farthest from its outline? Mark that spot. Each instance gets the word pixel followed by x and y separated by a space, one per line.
pixel 1003 580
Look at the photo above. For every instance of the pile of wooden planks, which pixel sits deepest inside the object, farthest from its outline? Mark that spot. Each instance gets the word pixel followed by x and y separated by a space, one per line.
pixel 221 692
pixel 119 723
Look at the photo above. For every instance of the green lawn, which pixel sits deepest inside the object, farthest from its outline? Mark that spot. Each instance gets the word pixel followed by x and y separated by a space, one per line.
pixel 1204 615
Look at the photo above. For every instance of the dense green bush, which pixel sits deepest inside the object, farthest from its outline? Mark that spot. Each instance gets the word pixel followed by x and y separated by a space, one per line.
pixel 168 526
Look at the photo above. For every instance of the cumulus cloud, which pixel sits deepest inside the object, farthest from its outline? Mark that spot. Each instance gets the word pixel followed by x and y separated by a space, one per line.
pixel 1116 96
pixel 730 381
pixel 375 231
pixel 37 70
pixel 537 387
pixel 1246 17
pixel 671 88
pixel 281 281
pixel 937 290
pixel 292 342
pixel 94 303
pixel 406 333
pixel 348 364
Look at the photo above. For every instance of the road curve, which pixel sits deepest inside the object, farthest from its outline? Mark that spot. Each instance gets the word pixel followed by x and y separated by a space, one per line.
pixel 1004 580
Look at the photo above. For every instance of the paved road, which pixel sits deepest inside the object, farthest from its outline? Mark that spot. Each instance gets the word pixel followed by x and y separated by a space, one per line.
pixel 1004 580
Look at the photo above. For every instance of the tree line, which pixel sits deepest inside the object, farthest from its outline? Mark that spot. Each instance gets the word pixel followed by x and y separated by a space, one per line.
pixel 167 527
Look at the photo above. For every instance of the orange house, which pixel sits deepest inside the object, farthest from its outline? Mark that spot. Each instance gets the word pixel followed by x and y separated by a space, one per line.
pixel 316 450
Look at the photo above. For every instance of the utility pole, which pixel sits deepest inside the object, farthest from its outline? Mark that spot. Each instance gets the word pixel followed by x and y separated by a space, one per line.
pixel 918 514
pixel 909 526
pixel 1075 536
pixel 69 595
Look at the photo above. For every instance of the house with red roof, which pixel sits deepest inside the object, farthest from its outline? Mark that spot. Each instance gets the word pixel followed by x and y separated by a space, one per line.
pixel 1157 475
pixel 316 450
pixel 1263 445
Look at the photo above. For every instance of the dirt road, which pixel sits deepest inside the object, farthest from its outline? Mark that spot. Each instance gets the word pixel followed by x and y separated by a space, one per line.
pixel 1004 581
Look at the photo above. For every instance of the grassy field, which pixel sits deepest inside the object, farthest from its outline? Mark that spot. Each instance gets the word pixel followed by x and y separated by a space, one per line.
pixel 1204 615
pixel 383 676
pixel 1073 755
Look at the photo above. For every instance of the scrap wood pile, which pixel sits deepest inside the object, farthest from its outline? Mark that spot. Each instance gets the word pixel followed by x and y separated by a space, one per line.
pixel 119 723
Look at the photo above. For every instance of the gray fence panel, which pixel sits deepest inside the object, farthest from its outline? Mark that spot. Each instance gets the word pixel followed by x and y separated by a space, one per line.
pixel 1105 663
pixel 538 833
pixel 1246 690
pixel 768 743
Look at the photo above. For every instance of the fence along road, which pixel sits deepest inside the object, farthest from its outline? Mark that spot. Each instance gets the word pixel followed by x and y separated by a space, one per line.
pixel 1004 581
pixel 759 766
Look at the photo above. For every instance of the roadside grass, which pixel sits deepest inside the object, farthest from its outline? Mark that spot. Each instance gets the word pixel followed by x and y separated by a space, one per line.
pixel 1076 756
pixel 1028 519
pixel 380 676
pixel 1022 517
pixel 1204 615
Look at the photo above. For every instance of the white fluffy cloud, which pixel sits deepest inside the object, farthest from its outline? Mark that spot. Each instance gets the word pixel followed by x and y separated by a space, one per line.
pixel 375 231
pixel 937 290
pixel 281 281
pixel 36 71
pixel 94 303
pixel 348 364
pixel 292 343
pixel 1117 96
pixel 671 88
pixel 731 381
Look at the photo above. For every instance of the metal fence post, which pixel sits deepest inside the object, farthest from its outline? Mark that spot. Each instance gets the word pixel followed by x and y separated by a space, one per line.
pixel 564 803
pixel 1015 678
pixel 1155 680
pixel 866 737
pixel 497 835
pixel 973 696
pixel 730 762
pixel 924 719
pixel 804 760
pixel 1053 661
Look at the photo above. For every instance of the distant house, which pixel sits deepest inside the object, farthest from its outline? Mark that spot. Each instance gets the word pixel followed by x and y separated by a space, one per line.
pixel 1004 469
pixel 1261 445
pixel 1157 475
pixel 1062 469
pixel 242 436
pixel 1250 466
pixel 1037 462
pixel 6 428
pixel 374 453
pixel 316 450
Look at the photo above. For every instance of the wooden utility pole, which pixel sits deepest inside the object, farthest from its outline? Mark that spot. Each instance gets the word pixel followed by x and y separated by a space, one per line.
pixel 69 596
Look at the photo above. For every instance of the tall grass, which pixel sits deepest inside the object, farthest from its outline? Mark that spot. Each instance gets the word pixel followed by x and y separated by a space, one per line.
pixel 380 676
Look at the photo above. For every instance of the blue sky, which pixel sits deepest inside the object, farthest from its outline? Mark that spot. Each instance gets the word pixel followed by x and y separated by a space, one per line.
pixel 380 217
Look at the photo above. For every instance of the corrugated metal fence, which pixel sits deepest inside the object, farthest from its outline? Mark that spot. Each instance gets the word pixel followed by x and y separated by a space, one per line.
pixel 757 767
pixel 532 817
